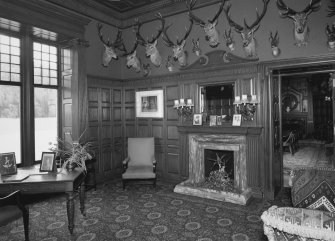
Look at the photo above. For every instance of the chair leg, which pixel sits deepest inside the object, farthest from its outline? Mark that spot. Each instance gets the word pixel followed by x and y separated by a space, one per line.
pixel 123 184
pixel 26 225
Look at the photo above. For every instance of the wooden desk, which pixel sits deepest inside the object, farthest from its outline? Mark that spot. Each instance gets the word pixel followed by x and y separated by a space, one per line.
pixel 37 182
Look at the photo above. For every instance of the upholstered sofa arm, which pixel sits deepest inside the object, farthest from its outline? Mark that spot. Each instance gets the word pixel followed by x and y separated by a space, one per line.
pixel 302 222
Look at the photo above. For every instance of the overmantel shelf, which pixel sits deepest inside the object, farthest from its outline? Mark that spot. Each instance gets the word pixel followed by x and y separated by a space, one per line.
pixel 238 130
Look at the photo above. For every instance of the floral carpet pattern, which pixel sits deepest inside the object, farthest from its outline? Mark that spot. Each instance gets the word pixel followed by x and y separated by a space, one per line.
pixel 142 213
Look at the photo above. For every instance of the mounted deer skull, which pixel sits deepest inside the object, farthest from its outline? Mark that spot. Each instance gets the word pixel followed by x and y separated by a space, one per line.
pixel 169 63
pixel 212 35
pixel 229 40
pixel 178 49
pixel 133 61
pixel 299 19
pixel 331 36
pixel 109 52
pixel 274 41
pixel 196 47
pixel 150 45
pixel 247 32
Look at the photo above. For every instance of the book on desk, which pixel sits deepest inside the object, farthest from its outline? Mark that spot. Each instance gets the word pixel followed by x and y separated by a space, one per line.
pixel 15 178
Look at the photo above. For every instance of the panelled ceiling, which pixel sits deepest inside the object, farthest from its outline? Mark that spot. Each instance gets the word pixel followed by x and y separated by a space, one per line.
pixel 123 6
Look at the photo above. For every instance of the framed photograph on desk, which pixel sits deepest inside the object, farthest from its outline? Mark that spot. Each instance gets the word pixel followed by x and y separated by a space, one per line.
pixel 48 162
pixel 237 118
pixel 7 163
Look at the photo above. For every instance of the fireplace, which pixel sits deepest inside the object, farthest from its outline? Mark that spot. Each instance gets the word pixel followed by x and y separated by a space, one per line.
pixel 201 143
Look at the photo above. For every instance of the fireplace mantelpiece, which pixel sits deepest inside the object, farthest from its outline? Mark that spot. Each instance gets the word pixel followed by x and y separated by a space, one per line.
pixel 251 136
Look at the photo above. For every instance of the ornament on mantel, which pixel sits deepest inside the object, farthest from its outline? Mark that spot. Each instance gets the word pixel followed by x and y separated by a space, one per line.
pixel 169 63
pixel 196 47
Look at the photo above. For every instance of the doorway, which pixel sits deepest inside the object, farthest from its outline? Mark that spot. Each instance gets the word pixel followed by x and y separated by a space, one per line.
pixel 305 117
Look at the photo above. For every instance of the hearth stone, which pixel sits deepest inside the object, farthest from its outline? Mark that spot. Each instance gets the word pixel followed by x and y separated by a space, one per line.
pixel 237 198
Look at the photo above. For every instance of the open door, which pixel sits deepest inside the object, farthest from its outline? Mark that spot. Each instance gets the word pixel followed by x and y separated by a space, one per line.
pixel 277 167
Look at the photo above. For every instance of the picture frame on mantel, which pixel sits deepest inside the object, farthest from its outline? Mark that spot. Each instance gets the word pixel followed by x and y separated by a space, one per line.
pixel 237 118
pixel 149 104
pixel 197 119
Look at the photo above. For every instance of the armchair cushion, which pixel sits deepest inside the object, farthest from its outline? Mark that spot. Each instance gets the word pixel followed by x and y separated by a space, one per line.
pixel 141 151
pixel 314 189
pixel 288 223
pixel 139 172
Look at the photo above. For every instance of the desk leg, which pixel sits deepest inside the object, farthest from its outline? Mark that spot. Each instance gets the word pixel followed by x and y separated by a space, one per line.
pixel 70 211
pixel 82 198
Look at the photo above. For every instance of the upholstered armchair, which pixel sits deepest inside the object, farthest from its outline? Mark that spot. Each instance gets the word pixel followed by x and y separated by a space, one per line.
pixel 11 209
pixel 312 216
pixel 140 163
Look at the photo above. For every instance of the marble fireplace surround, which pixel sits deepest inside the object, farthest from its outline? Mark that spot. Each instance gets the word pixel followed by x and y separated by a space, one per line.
pixel 197 144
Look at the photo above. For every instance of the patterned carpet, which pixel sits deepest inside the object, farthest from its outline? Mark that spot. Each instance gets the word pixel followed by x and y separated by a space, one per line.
pixel 143 213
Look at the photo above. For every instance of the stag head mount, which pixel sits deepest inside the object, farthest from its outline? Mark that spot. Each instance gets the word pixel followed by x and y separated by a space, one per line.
pixel 151 45
pixel 229 40
pixel 247 32
pixel 301 29
pixel 330 31
pixel 133 61
pixel 196 47
pixel 110 47
pixel 274 41
pixel 212 35
pixel 178 49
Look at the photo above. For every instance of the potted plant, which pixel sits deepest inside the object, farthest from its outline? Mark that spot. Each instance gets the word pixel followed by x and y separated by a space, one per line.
pixel 72 154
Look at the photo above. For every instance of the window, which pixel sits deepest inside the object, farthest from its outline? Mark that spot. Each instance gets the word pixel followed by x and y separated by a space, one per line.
pixel 19 91
pixel 45 96
pixel 10 96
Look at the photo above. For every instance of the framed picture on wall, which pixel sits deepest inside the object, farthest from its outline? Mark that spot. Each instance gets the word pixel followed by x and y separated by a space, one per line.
pixel 197 119
pixel 149 104
pixel 48 162
pixel 8 163
pixel 237 118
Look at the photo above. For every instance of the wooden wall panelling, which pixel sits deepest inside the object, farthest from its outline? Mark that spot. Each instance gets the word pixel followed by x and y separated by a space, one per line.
pixel 253 165
pixel 158 134
pixel 117 137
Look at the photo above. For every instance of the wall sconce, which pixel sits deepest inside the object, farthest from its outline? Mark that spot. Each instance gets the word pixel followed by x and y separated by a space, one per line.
pixel 184 109
pixel 247 106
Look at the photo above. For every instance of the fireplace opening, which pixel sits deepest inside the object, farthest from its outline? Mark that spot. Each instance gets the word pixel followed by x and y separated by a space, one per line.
pixel 219 159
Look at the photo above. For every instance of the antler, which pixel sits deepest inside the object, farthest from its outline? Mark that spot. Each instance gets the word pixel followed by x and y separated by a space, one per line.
pixel 259 17
pixel 116 43
pixel 218 12
pixel 237 27
pixel 274 39
pixel 125 51
pixel 314 5
pixel 168 42
pixel 227 34
pixel 153 39
pixel 331 9
pixel 287 12
pixel 188 30
pixel 190 6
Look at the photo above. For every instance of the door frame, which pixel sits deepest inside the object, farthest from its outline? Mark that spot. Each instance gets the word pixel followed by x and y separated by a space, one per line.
pixel 270 180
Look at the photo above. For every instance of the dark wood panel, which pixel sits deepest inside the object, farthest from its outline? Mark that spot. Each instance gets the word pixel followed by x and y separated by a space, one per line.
pixel 253 161
pixel 130 131
pixel 172 114
pixel 105 96
pixel 117 113
pixel 106 134
pixel 93 94
pixel 117 159
pixel 172 164
pixel 130 113
pixel 93 133
pixel 129 96
pixel 172 133
pixel 143 131
pixel 117 96
pixel 93 114
pixel 172 93
pixel 106 156
pixel 157 131
pixel 105 114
